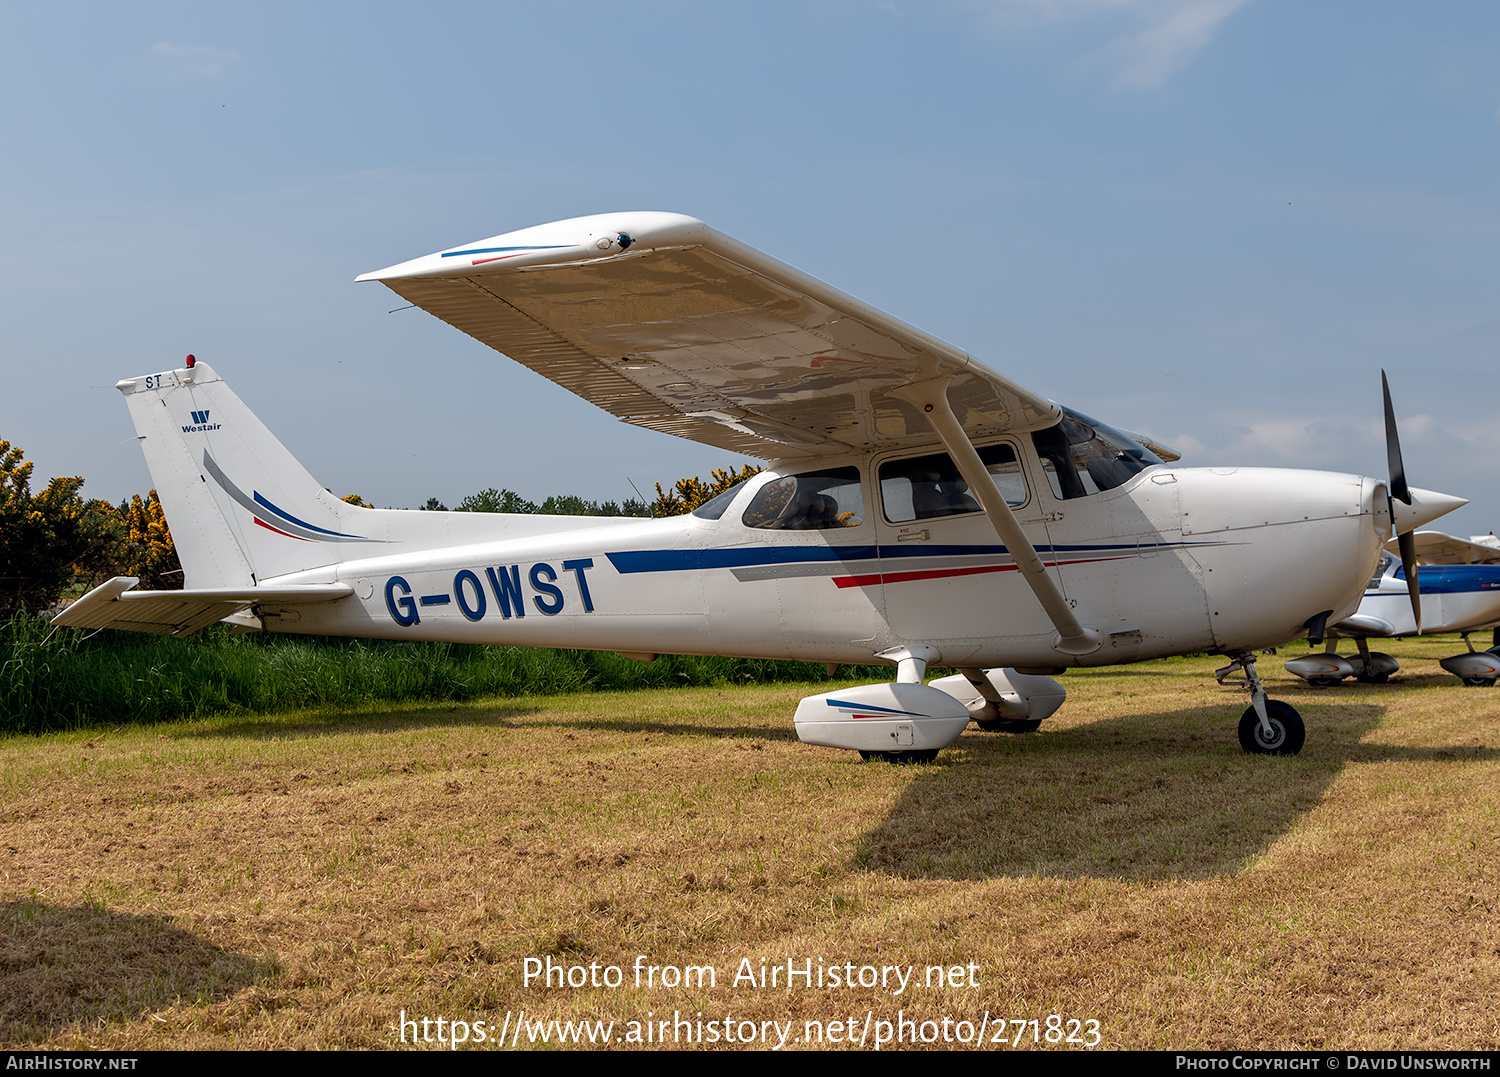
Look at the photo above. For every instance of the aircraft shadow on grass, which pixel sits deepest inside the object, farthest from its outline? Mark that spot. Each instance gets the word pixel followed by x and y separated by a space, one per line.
pixel 344 724
pixel 76 965
pixel 1155 796
pixel 774 729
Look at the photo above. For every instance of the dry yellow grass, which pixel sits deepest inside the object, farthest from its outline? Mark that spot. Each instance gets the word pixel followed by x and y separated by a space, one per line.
pixel 300 881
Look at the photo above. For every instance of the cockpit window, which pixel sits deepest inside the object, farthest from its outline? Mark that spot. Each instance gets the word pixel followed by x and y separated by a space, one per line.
pixel 925 487
pixel 1386 566
pixel 1083 457
pixel 812 501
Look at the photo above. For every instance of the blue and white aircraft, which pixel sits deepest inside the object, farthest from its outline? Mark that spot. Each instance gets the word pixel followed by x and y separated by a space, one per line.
pixel 1459 597
pixel 919 508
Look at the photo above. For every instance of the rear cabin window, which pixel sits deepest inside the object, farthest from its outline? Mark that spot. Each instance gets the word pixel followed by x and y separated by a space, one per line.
pixel 714 507
pixel 811 501
pixel 926 487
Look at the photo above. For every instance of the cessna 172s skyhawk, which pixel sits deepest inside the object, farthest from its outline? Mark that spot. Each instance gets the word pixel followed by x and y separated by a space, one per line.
pixel 919 507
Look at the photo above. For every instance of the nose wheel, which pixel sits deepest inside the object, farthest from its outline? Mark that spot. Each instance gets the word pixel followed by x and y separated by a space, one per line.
pixel 1268 726
pixel 1284 735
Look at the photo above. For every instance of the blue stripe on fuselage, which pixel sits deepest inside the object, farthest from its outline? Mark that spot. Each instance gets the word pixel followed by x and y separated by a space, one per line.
pixel 630 561
pixel 1455 579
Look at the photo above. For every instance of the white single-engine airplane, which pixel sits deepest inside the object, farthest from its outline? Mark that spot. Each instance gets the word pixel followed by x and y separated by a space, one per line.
pixel 919 508
pixel 1459 586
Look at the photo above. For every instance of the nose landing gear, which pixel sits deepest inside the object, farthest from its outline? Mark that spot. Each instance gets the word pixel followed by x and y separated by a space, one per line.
pixel 1268 726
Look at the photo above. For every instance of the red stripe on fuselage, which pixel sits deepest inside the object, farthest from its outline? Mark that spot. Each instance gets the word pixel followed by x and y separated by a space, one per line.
pixel 875 578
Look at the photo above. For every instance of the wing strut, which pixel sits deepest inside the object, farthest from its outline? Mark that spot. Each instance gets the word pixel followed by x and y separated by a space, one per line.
pixel 1073 637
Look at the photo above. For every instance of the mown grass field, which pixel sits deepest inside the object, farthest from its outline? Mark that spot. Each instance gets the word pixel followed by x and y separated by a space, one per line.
pixel 300 880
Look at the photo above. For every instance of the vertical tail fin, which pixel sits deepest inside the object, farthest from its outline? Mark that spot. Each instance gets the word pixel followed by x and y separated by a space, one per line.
pixel 240 506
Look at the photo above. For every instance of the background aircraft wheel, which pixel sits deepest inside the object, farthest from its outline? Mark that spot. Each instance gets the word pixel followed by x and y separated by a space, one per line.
pixel 1325 682
pixel 1287 731
pixel 1010 725
pixel 1372 678
pixel 1478 682
pixel 922 755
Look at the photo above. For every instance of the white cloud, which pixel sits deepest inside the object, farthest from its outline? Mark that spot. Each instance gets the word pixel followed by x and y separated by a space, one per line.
pixel 1321 442
pixel 1174 31
pixel 193 61
pixel 1177 33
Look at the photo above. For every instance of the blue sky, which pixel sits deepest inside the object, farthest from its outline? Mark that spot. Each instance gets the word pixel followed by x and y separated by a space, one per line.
pixel 1211 220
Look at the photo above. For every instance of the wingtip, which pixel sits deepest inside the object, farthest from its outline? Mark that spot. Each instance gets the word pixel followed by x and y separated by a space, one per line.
pixel 603 235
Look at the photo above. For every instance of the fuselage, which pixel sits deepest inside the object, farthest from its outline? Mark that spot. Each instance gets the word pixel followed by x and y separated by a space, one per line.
pixel 1455 598
pixel 1172 561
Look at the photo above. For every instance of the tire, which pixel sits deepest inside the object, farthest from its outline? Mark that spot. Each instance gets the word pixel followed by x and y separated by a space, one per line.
pixel 1010 725
pixel 1286 725
pixel 1373 678
pixel 901 759
pixel 1478 682
pixel 1325 682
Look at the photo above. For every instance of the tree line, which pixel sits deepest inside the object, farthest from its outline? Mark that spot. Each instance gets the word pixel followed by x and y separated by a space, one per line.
pixel 56 541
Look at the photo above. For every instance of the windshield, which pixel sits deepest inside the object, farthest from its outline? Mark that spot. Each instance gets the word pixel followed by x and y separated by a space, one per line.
pixel 1082 456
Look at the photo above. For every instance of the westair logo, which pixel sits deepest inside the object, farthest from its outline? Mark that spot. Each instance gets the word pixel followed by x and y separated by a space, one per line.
pixel 200 423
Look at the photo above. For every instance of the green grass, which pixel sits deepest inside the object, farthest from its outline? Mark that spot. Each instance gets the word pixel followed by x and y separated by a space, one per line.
pixel 297 880
pixel 66 680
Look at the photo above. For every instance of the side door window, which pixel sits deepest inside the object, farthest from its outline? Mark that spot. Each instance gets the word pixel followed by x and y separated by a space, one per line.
pixel 927 487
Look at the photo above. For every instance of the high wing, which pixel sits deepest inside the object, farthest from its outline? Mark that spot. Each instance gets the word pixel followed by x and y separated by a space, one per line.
pixel 1437 548
pixel 671 325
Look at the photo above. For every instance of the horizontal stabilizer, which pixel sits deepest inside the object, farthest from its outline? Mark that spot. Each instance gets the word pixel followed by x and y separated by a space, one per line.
pixel 114 605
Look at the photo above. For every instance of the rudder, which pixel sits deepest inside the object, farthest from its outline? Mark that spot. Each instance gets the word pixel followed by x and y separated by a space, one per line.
pixel 240 507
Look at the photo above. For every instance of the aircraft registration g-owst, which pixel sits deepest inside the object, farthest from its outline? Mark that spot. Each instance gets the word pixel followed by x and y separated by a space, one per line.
pixel 919 508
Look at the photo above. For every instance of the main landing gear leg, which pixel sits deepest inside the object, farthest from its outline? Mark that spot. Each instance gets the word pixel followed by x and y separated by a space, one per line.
pixel 1268 726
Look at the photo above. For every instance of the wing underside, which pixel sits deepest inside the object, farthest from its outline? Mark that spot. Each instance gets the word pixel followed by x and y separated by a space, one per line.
pixel 667 324
pixel 1437 548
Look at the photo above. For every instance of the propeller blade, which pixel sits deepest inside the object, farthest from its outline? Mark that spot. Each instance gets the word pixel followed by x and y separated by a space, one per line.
pixel 1405 541
pixel 1398 488
pixel 1408 545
